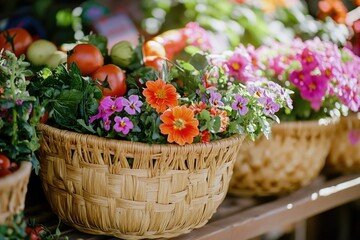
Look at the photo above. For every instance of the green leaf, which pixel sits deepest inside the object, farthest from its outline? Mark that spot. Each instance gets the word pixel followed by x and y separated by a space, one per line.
pixel 199 61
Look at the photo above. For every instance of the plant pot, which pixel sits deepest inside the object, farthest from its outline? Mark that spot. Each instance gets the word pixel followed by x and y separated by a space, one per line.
pixel 344 157
pixel 168 189
pixel 13 188
pixel 292 157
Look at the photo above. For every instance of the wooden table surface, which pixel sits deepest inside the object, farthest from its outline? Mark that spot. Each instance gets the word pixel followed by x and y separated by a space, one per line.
pixel 236 218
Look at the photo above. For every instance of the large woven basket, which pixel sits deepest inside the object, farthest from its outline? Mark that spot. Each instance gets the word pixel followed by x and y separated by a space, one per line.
pixel 168 189
pixel 13 188
pixel 293 156
pixel 344 157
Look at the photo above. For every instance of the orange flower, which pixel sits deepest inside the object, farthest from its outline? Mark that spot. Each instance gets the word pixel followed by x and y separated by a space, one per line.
pixel 180 125
pixel 160 95
pixel 205 136
pixel 214 111
pixel 198 107
pixel 333 8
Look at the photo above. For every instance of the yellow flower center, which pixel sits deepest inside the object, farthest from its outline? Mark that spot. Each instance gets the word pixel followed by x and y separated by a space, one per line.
pixel 160 94
pixel 312 86
pixel 235 66
pixel 122 124
pixel 309 59
pixel 179 124
pixel 328 72
pixel 240 105
pixel 132 106
pixel 113 107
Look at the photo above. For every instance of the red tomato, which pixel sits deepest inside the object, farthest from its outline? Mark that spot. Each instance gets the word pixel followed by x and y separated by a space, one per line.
pixel 44 117
pixel 153 48
pixel 16 40
pixel 87 57
pixel 32 233
pixel 115 77
pixel 4 162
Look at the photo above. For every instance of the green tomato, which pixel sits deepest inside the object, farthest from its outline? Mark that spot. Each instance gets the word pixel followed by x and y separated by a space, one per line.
pixel 121 53
pixel 39 51
pixel 55 59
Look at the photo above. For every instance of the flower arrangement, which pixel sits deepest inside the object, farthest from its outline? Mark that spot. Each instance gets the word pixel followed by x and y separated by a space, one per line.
pixel 183 103
pixel 323 77
pixel 19 113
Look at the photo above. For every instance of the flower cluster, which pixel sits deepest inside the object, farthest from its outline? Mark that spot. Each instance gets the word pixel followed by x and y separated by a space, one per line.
pixel 323 77
pixel 190 104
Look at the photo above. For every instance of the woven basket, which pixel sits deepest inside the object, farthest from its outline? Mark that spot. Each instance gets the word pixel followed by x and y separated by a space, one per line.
pixel 293 156
pixel 344 157
pixel 13 188
pixel 169 189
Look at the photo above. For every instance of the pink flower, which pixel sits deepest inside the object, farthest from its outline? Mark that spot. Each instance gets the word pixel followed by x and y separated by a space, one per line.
pixel 123 125
pixel 197 36
pixel 132 105
pixel 110 106
pixel 239 65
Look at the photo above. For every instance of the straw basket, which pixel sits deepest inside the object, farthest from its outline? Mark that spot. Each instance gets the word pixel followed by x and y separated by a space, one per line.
pixel 344 157
pixel 167 190
pixel 13 188
pixel 293 156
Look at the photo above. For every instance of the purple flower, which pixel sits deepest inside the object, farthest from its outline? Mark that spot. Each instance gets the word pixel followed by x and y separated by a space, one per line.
pixel 255 90
pixel 123 125
pixel 132 105
pixel 240 104
pixel 101 114
pixel 270 107
pixel 107 123
pixel 110 106
pixel 215 99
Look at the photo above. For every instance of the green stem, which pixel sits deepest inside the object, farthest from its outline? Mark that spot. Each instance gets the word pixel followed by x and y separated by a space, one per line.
pixel 13 89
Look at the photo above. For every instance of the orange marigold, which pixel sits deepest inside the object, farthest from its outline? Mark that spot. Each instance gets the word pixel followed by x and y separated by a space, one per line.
pixel 180 125
pixel 160 95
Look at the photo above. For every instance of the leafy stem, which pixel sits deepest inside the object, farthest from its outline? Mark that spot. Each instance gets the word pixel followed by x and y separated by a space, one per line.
pixel 13 93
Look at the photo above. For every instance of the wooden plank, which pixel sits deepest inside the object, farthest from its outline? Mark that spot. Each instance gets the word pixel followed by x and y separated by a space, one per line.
pixel 290 209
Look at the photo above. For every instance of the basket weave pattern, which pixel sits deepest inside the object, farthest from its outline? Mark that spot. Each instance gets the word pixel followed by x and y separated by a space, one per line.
pixel 169 190
pixel 13 188
pixel 344 157
pixel 293 156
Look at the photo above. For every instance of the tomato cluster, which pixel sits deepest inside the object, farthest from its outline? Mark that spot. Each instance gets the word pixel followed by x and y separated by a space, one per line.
pixel 34 233
pixel 6 167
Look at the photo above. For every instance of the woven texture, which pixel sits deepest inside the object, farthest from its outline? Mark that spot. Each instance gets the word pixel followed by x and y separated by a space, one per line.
pixel 344 157
pixel 169 189
pixel 293 156
pixel 13 188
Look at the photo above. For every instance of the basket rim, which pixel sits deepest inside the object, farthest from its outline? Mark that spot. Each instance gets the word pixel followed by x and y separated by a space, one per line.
pixel 307 123
pixel 13 178
pixel 142 145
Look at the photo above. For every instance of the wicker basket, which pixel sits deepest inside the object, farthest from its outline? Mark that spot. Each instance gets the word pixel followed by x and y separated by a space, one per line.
pixel 344 157
pixel 13 188
pixel 293 156
pixel 169 189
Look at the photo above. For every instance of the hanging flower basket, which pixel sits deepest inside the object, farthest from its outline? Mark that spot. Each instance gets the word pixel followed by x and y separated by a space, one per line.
pixel 134 190
pixel 13 188
pixel 293 156
pixel 344 156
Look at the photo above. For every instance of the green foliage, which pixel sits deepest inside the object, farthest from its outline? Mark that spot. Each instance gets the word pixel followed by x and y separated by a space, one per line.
pixel 69 98
pixel 19 110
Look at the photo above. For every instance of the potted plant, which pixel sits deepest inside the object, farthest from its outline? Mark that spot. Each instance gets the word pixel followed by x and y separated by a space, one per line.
pixel 323 88
pixel 344 156
pixel 152 159
pixel 20 115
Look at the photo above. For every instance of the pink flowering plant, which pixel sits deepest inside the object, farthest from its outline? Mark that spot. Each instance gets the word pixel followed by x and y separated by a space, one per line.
pixel 324 79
